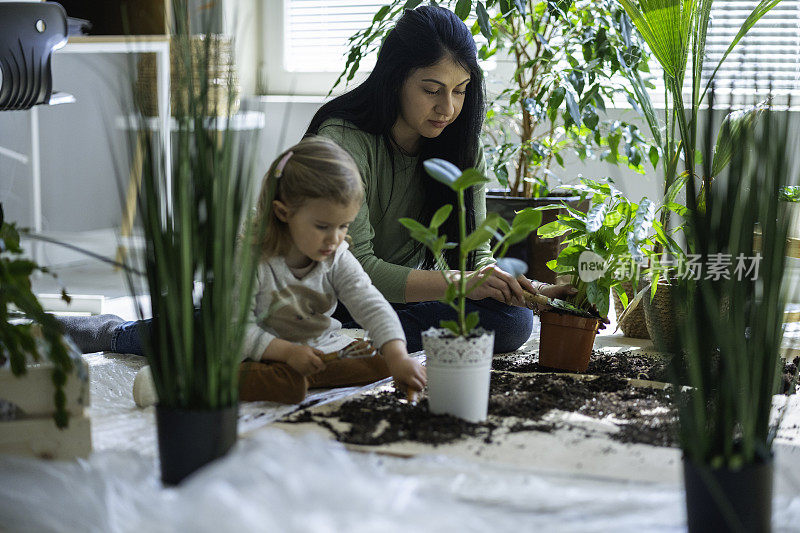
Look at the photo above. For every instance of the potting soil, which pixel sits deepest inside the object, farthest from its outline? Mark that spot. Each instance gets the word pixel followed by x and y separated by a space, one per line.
pixel 516 403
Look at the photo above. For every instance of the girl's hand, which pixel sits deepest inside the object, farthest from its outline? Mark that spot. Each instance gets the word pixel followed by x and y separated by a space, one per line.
pixel 499 285
pixel 408 374
pixel 305 359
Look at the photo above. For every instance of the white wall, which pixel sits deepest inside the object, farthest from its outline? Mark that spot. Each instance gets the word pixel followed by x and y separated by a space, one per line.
pixel 79 145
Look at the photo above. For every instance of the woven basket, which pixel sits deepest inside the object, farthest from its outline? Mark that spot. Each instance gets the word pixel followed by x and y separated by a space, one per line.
pixel 662 316
pixel 222 78
pixel 633 324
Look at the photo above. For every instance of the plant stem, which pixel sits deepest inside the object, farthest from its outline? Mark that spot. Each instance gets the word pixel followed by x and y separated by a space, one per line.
pixel 462 264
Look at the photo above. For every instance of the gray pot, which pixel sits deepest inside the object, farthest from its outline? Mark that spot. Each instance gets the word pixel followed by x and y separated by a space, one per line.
pixel 535 251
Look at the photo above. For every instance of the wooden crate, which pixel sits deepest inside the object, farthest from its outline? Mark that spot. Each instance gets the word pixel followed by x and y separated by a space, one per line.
pixel 33 432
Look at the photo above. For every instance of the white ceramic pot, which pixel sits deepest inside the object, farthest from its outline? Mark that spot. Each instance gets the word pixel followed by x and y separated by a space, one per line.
pixel 458 372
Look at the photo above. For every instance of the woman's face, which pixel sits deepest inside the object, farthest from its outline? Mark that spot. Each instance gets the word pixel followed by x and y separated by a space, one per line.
pixel 430 99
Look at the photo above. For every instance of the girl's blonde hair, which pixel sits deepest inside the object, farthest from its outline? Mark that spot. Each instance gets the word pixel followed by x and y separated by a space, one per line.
pixel 317 168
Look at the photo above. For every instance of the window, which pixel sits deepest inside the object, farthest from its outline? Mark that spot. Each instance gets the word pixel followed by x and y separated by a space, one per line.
pixel 769 53
pixel 317 32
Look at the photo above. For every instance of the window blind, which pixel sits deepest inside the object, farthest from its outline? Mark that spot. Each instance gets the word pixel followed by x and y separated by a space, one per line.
pixel 768 54
pixel 317 32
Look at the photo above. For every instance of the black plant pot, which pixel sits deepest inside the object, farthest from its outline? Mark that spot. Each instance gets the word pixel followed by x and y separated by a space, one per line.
pixel 189 439
pixel 535 251
pixel 723 500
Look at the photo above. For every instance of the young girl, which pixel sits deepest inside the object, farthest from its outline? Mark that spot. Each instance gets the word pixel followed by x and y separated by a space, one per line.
pixel 306 268
pixel 309 197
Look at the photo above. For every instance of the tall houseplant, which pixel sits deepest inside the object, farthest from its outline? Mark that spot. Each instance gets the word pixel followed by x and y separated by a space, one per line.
pixel 676 31
pixel 459 356
pixel 732 355
pixel 200 272
pixel 551 106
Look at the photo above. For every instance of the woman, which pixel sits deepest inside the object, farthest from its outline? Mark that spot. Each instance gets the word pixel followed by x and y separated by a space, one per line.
pixel 423 99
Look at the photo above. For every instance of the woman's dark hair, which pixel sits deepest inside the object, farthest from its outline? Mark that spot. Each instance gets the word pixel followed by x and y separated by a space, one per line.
pixel 421 38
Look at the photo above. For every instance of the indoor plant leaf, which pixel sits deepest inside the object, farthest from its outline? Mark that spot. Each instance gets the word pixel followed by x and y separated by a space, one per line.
pixel 442 171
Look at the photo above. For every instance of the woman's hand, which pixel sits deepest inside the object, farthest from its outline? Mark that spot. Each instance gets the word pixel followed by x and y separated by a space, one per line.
pixel 498 284
pixel 562 292
pixel 408 374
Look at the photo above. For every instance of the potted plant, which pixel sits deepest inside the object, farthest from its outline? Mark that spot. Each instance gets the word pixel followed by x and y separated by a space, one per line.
pixel 19 342
pixel 459 356
pixel 565 60
pixel 44 384
pixel 732 361
pixel 604 247
pixel 199 270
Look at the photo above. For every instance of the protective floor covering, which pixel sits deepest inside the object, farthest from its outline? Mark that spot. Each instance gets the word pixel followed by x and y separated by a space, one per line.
pixel 276 481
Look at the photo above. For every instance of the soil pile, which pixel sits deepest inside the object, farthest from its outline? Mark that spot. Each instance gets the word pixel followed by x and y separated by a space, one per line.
pixel 644 415
pixel 622 365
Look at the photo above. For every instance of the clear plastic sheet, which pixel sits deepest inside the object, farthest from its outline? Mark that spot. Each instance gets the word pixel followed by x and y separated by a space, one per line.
pixel 273 482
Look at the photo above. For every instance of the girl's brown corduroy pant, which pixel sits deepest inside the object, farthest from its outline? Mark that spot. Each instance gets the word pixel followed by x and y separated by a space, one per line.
pixel 278 382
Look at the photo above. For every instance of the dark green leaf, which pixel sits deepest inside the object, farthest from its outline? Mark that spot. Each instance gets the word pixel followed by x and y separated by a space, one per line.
pixel 483 21
pixel 529 219
pixel 463 9
pixel 472 320
pixel 556 97
pixel 590 118
pixel 469 178
pixel 441 215
pixel 380 14
pixel 653 154
pixel 451 325
pixel 572 108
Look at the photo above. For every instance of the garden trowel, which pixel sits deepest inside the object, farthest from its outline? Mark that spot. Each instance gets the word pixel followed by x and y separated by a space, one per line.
pixel 533 299
pixel 361 349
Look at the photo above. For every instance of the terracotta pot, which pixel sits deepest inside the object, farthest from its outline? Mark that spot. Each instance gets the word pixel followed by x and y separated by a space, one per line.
pixel 535 251
pixel 566 341
pixel 459 370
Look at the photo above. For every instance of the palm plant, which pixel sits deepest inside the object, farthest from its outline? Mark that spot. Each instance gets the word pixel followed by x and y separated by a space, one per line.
pixel 675 31
pixel 192 224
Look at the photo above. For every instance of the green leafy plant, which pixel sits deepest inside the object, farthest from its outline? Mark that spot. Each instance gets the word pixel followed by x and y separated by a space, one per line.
pixel 566 56
pixel 192 222
pixel 676 30
pixel 18 341
pixel 732 352
pixel 615 231
pixel 789 193
pixel 493 225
